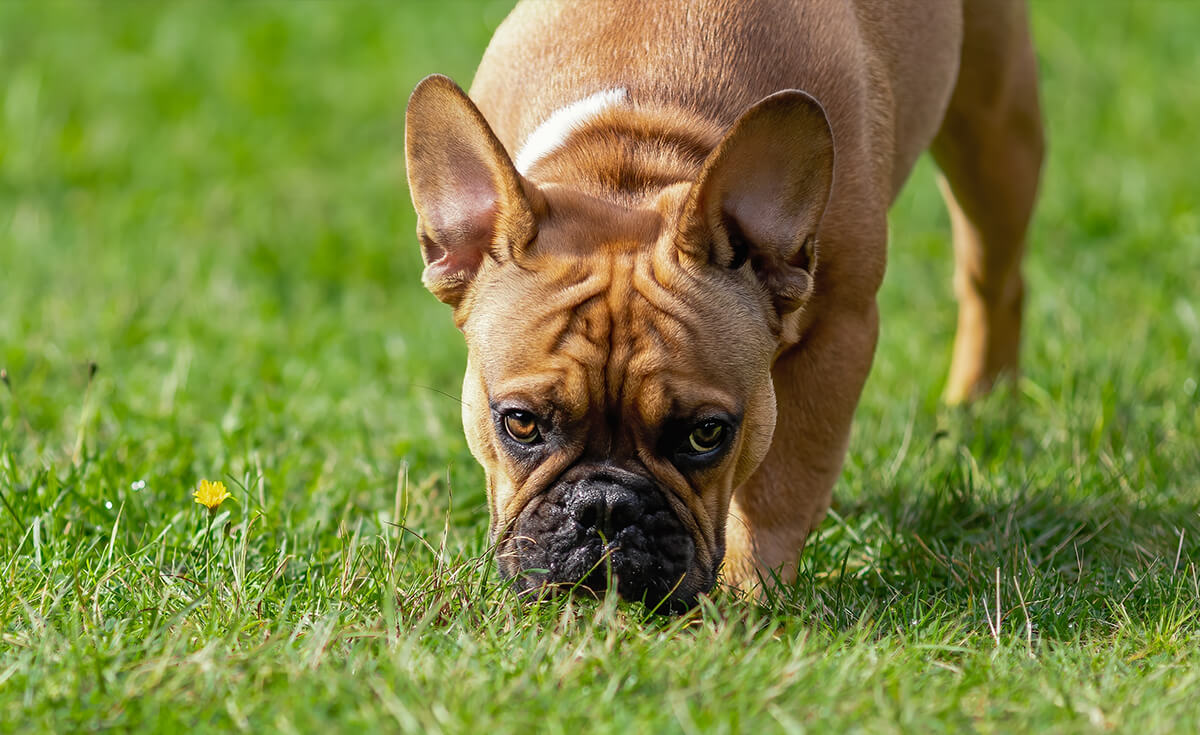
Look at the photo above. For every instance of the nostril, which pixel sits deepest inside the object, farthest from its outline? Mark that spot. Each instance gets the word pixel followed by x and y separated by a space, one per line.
pixel 624 510
pixel 609 509
pixel 587 506
pixel 588 514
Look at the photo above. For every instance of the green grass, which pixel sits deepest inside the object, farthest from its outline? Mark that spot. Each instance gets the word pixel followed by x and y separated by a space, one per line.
pixel 206 201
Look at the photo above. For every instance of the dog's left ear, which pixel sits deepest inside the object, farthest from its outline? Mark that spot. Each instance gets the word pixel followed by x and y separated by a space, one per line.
pixel 761 195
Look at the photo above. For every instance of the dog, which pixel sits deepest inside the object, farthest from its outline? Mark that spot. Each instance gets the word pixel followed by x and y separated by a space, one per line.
pixel 661 227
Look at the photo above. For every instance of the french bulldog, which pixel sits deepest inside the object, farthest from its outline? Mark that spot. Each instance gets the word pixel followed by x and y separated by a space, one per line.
pixel 661 227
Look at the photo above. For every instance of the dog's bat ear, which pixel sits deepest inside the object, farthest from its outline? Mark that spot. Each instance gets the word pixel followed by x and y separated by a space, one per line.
pixel 761 194
pixel 471 203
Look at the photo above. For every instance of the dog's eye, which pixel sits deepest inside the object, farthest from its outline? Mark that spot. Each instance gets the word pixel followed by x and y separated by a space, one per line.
pixel 522 427
pixel 706 436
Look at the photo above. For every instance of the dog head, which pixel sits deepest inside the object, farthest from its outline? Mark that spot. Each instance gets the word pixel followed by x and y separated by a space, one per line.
pixel 618 385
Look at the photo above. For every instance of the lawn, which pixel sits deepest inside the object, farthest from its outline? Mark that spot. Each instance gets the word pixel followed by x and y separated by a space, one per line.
pixel 208 271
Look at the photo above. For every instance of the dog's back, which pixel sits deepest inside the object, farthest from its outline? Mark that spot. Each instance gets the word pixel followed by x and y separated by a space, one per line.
pixel 893 60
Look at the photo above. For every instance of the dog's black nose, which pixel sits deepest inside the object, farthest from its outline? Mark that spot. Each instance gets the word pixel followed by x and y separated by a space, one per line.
pixel 603 526
pixel 607 507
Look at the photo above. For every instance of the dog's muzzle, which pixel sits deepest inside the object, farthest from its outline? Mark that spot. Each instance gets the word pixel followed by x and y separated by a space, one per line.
pixel 606 527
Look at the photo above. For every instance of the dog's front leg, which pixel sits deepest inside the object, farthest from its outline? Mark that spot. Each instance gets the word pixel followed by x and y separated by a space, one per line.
pixel 817 385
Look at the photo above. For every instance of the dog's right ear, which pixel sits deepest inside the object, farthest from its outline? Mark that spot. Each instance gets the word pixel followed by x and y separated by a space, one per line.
pixel 762 193
pixel 471 203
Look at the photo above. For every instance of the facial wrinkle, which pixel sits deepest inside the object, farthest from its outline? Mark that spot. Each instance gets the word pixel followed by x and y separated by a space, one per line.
pixel 620 338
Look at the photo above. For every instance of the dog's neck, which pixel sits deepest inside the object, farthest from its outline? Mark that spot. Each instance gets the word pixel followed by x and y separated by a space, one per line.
pixel 611 148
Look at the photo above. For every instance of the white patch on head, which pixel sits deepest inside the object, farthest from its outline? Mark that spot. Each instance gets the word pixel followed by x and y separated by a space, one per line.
pixel 553 132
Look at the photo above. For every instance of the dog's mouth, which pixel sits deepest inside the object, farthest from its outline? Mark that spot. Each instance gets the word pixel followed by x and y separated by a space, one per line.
pixel 605 531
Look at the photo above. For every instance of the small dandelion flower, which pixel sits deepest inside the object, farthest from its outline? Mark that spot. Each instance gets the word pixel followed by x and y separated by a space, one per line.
pixel 211 494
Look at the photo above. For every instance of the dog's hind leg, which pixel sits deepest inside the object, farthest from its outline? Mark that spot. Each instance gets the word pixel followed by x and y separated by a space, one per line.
pixel 990 150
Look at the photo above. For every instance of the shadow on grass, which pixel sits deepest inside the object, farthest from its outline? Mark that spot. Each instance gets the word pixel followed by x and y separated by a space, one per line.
pixel 1060 566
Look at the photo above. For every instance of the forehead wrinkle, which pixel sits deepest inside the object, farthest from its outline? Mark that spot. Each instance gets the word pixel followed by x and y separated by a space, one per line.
pixel 648 374
pixel 680 363
pixel 558 298
pixel 581 334
pixel 620 338
pixel 667 331
pixel 578 333
pixel 678 304
pixel 541 313
pixel 669 326
pixel 660 296
pixel 638 349
pixel 594 341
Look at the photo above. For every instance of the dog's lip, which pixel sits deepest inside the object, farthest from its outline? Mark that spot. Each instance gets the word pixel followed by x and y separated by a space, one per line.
pixel 682 595
pixel 504 542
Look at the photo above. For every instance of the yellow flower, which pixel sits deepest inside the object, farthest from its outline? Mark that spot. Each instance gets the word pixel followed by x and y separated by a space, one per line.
pixel 211 494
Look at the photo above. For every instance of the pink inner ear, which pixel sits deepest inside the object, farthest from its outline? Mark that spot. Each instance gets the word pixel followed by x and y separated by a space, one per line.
pixel 460 229
pixel 772 193
pixel 464 217
pixel 772 174
pixel 762 217
pixel 457 265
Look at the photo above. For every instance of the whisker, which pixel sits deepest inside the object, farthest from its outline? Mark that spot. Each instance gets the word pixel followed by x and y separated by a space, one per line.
pixel 442 393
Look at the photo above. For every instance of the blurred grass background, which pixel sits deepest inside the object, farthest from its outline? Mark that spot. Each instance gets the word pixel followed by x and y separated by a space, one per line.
pixel 206 201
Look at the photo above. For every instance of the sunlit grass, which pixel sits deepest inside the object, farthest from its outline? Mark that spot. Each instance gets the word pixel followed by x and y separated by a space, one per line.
pixel 207 272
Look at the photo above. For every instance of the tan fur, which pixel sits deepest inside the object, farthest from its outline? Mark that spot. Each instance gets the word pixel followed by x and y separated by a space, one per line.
pixel 600 277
